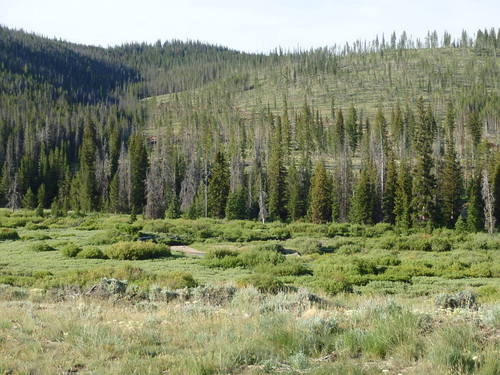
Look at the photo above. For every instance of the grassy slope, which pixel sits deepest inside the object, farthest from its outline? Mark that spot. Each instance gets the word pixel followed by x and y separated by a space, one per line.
pixel 366 81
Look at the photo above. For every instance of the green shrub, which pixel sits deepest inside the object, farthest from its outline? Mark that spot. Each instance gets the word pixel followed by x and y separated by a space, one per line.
pixel 71 250
pixel 271 247
pixel 91 253
pixel 137 251
pixel 251 258
pixel 349 249
pixel 306 245
pixel 290 267
pixel 441 244
pixel 338 229
pixel 178 280
pixel 263 282
pixel 41 246
pixel 8 235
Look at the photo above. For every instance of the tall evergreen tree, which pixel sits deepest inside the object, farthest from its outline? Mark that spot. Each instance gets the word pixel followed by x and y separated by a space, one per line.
pixel 423 205
pixel 451 185
pixel 403 197
pixel 276 180
pixel 389 197
pixel 138 170
pixel 475 206
pixel 363 200
pixel 218 187
pixel 320 195
pixel 87 174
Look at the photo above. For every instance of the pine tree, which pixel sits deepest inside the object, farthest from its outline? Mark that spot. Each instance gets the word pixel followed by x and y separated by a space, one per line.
pixel 29 199
pixel 236 208
pixel 87 174
pixel 475 206
pixel 295 200
pixel 320 195
pixel 423 191
pixel 138 170
pixel 451 185
pixel 403 197
pixel 351 127
pixel 42 196
pixel 218 187
pixel 174 207
pixel 389 195
pixel 276 181
pixel 114 194
pixel 363 200
pixel 496 192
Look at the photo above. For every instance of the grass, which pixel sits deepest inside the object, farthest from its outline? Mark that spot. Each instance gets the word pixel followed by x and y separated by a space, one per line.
pixel 374 306
pixel 249 333
pixel 335 258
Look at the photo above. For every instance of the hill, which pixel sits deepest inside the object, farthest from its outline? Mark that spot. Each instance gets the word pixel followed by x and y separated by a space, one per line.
pixel 75 115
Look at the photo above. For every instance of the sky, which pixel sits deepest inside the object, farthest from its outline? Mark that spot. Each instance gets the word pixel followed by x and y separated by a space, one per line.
pixel 251 25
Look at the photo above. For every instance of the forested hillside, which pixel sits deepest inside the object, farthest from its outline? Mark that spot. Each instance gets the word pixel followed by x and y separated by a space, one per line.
pixel 398 131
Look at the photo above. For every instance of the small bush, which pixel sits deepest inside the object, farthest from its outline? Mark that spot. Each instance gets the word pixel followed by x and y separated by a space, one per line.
pixel 463 299
pixel 349 249
pixel 71 250
pixel 440 244
pixel 41 246
pixel 271 247
pixel 178 280
pixel 263 282
pixel 8 235
pixel 306 245
pixel 137 251
pixel 91 253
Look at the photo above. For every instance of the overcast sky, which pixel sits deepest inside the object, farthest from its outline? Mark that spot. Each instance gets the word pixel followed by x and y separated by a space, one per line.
pixel 251 25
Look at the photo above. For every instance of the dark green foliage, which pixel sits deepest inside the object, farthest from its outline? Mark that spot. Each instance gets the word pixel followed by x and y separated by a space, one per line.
pixel 363 200
pixel 320 195
pixel 71 250
pixel 218 187
pixel 236 208
pixel 276 179
pixel 87 184
pixel 91 253
pixel 423 191
pixel 138 169
pixel 475 207
pixel 137 251
pixel 403 197
pixel 451 185
pixel 8 234
pixel 29 199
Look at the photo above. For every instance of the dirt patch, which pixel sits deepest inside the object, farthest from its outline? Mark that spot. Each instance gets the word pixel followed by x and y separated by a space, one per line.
pixel 187 250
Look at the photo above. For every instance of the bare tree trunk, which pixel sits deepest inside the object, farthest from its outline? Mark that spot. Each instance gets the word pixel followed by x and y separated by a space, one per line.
pixel 489 204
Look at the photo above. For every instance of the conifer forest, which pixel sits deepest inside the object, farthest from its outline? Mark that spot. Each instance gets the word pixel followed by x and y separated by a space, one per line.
pixel 185 208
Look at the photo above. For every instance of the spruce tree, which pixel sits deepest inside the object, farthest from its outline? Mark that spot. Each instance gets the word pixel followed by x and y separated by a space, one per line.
pixel 276 181
pixel 320 195
pixel 87 173
pixel 351 127
pixel 42 196
pixel 295 200
pixel 29 199
pixel 363 200
pixel 451 185
pixel 138 170
pixel 423 190
pixel 236 207
pixel 390 186
pixel 218 187
pixel 475 206
pixel 403 197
